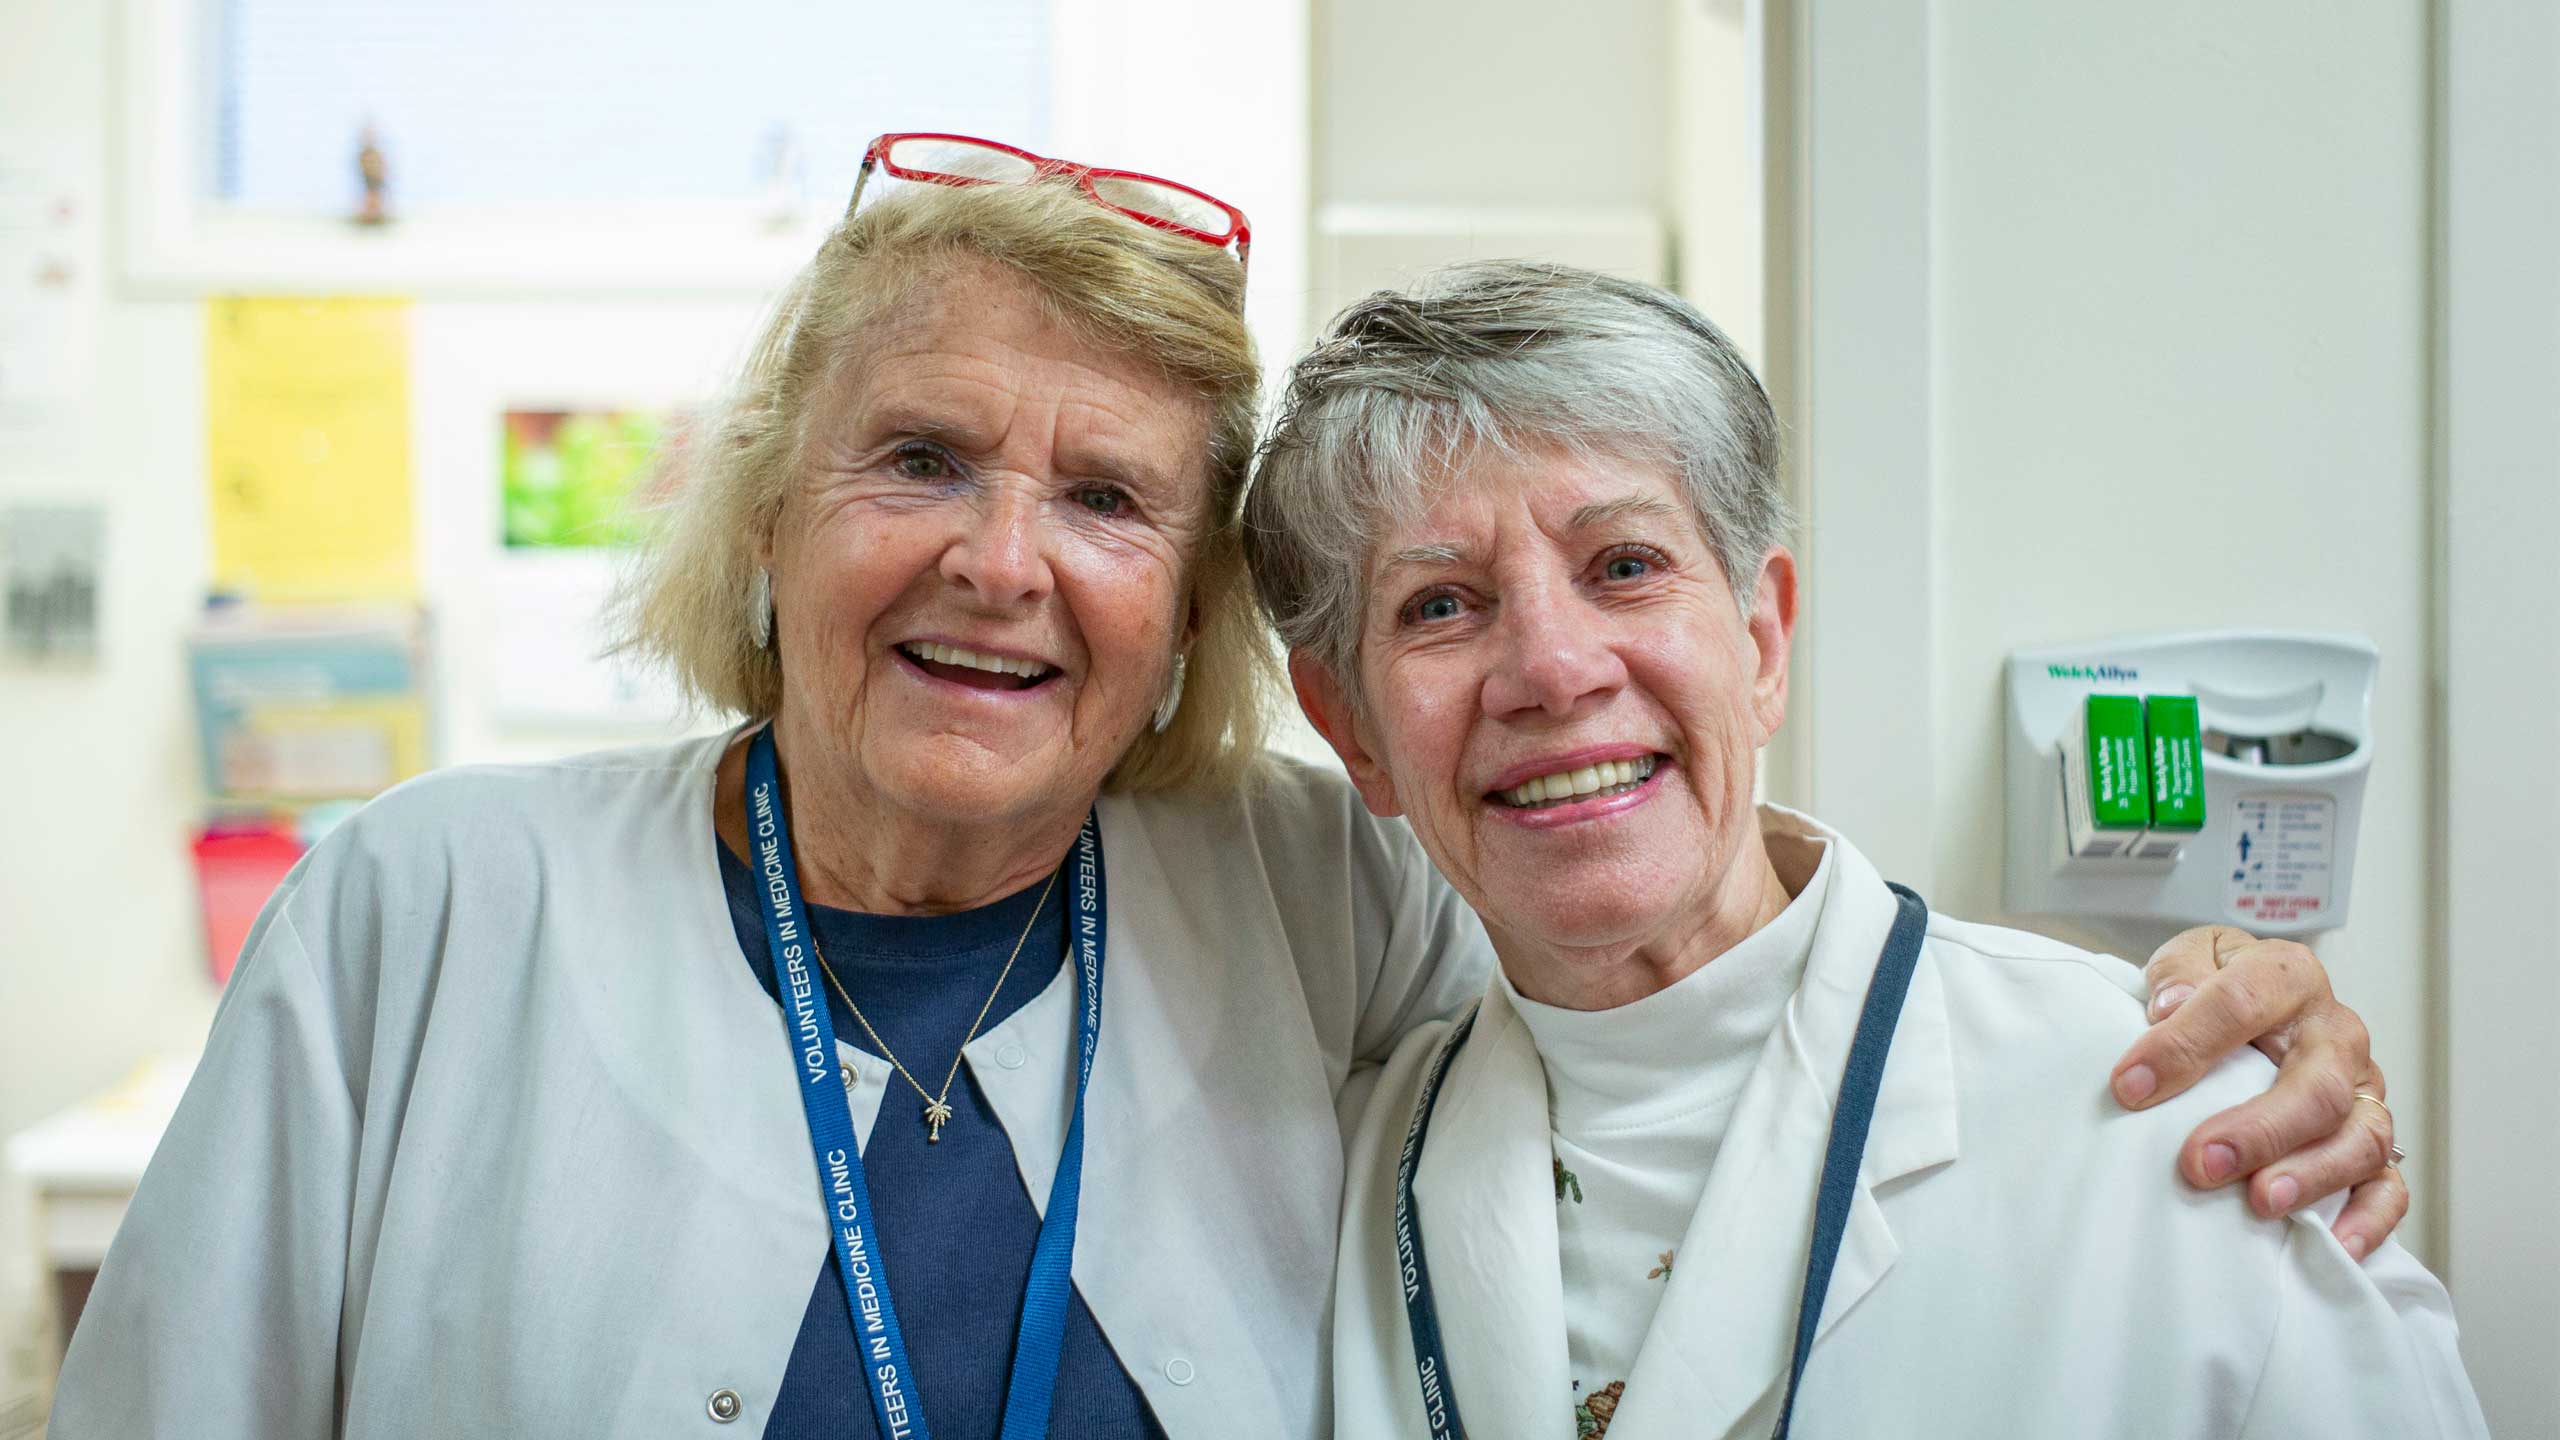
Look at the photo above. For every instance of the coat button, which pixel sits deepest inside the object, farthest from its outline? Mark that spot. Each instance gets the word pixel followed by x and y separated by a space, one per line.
pixel 847 1072
pixel 1178 1370
pixel 1010 1056
pixel 725 1405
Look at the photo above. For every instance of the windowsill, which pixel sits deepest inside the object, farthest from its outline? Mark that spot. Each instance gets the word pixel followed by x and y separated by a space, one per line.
pixel 713 253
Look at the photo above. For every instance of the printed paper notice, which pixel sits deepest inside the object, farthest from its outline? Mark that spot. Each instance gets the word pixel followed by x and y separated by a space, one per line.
pixel 307 418
pixel 49 297
pixel 2281 856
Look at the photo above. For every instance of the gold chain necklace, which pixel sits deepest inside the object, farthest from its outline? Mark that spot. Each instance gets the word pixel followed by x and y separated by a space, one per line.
pixel 937 1108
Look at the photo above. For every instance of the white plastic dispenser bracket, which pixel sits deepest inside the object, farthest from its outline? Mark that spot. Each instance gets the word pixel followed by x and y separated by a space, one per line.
pixel 2283 729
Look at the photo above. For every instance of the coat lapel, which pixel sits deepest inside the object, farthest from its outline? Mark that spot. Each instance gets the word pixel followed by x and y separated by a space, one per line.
pixel 1191 1047
pixel 1721 1343
pixel 1486 1193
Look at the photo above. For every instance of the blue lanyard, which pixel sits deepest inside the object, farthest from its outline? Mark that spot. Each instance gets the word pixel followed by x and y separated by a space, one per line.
pixel 1850 1120
pixel 895 1402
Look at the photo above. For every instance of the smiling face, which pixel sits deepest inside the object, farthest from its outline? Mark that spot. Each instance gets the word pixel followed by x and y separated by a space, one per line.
pixel 981 575
pixel 1563 695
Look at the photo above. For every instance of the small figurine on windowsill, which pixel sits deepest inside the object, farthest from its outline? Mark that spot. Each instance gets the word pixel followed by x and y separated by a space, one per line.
pixel 375 172
pixel 785 175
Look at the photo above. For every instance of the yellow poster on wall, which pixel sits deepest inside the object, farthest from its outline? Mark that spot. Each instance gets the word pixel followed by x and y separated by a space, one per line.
pixel 307 423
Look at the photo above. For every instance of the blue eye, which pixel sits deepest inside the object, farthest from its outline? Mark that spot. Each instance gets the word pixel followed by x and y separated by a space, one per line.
pixel 1628 567
pixel 1102 499
pixel 1437 607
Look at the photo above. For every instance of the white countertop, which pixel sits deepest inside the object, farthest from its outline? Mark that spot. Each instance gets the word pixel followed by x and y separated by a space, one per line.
pixel 81 1165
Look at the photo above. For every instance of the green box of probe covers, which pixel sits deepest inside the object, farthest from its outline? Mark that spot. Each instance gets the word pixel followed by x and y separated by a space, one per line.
pixel 2177 762
pixel 2119 797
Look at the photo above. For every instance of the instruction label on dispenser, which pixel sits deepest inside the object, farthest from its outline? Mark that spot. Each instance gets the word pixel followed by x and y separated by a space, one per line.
pixel 2282 855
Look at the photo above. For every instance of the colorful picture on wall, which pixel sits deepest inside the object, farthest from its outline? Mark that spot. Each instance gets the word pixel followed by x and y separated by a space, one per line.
pixel 575 479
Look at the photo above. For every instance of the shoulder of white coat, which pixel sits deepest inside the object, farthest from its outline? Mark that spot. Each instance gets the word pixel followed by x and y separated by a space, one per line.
pixel 2037 1027
pixel 1297 830
pixel 435 832
pixel 2084 1189
pixel 478 851
pixel 2027 948
pixel 492 801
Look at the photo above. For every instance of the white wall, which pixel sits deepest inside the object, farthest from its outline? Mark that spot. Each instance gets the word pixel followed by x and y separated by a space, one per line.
pixel 2283 277
pixel 1502 103
pixel 94 876
pixel 2182 300
pixel 1449 131
pixel 2061 268
pixel 2499 437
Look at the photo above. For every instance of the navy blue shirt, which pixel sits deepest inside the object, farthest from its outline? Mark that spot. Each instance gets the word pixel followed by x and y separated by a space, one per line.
pixel 956 1226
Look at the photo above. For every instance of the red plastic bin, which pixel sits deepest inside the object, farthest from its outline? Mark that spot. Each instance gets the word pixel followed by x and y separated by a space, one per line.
pixel 237 868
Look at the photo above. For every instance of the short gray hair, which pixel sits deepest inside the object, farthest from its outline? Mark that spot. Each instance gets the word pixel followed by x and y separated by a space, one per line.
pixel 1512 356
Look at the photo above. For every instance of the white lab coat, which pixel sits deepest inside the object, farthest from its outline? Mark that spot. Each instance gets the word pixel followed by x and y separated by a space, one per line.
pixel 497 1135
pixel 2020 1260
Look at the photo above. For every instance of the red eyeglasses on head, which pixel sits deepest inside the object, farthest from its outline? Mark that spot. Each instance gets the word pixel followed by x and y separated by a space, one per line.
pixel 1148 199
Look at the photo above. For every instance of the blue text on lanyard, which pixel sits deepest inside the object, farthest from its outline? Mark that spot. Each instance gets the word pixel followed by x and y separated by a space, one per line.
pixel 1842 1154
pixel 1032 1388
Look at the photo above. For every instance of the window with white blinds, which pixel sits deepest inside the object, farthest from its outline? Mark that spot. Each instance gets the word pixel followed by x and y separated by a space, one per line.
pixel 489 105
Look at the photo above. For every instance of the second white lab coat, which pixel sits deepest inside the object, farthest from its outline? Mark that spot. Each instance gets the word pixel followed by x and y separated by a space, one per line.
pixel 2020 1260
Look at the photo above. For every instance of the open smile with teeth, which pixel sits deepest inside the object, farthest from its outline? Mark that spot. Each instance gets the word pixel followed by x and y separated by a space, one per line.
pixel 968 667
pixel 1609 777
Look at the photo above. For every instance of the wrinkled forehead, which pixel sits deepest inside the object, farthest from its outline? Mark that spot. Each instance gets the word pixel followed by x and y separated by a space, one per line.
pixel 1484 497
pixel 956 352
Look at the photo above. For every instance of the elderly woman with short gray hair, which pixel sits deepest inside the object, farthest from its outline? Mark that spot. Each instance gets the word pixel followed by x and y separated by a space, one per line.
pixel 1737 1131
pixel 956 1044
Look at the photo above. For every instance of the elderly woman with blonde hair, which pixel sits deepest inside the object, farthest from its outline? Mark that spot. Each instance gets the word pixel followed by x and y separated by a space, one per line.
pixel 957 1044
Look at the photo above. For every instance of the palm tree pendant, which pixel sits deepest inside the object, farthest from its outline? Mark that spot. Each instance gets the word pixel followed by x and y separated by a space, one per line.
pixel 935 1114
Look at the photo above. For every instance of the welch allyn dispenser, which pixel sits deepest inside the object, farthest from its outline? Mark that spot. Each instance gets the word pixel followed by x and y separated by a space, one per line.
pixel 2211 778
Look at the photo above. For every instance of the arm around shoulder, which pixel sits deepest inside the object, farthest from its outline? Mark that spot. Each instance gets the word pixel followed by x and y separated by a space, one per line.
pixel 1433 956
pixel 1385 942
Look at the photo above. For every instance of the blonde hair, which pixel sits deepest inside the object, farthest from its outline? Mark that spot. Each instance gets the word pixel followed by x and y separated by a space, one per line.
pixel 1168 300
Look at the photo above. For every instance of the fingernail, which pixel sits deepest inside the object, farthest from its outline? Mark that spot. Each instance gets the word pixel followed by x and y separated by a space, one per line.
pixel 2282 1195
pixel 2355 1247
pixel 2136 1084
pixel 2170 999
pixel 2219 1161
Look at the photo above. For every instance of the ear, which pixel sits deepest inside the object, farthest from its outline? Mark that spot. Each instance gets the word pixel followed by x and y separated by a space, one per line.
pixel 1328 708
pixel 1773 629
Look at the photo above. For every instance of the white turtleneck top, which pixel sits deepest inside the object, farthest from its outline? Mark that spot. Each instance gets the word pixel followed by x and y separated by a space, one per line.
pixel 1638 1099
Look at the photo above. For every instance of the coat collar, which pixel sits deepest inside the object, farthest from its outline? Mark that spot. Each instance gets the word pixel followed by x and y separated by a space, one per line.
pixel 1486 1192
pixel 1723 1336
